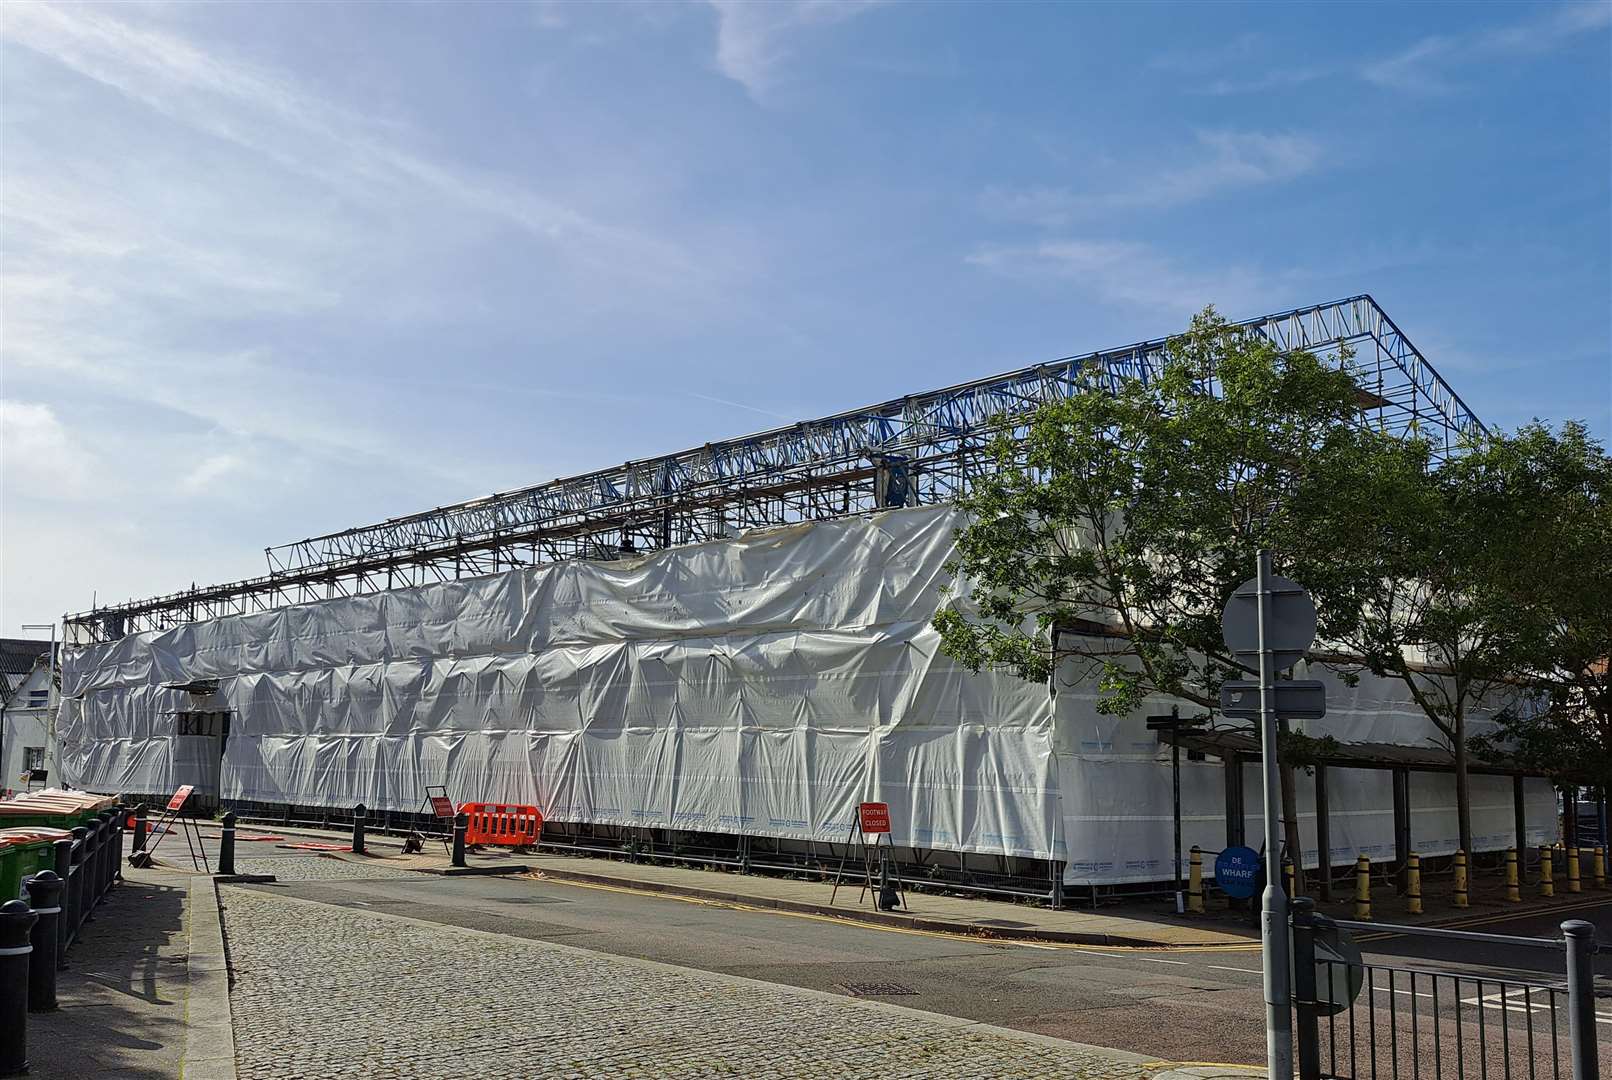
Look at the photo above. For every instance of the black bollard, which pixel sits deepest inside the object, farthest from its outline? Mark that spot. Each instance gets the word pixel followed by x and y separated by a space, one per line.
pixel 16 923
pixel 103 855
pixel 226 844
pixel 45 897
pixel 461 825
pixel 64 870
pixel 358 829
pixel 141 828
pixel 80 901
pixel 117 850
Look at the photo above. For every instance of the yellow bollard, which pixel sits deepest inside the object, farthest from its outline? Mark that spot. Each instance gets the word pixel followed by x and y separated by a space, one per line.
pixel 1363 889
pixel 1598 867
pixel 1573 870
pixel 1413 884
pixel 1290 878
pixel 1461 896
pixel 1195 882
pixel 1513 889
pixel 1547 870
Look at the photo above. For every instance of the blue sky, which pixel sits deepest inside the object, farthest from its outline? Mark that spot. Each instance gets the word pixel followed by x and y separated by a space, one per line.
pixel 271 271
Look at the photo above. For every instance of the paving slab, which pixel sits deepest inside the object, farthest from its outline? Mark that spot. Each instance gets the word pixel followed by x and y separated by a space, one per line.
pixel 124 994
pixel 333 991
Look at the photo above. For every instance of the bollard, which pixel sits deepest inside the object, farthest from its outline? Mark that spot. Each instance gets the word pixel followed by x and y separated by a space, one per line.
pixel 120 824
pixel 1462 894
pixel 75 883
pixel 1195 882
pixel 103 856
pixel 1580 939
pixel 64 921
pixel 141 828
pixel 1573 883
pixel 1598 867
pixel 1308 1028
pixel 1363 889
pixel 1290 877
pixel 1413 884
pixel 45 897
pixel 16 924
pixel 226 844
pixel 461 825
pixel 1547 871
pixel 359 812
pixel 1513 889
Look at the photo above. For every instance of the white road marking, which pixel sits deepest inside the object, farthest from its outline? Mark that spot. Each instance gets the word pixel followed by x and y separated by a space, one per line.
pixel 1397 990
pixel 1033 945
pixel 1245 971
pixel 1155 960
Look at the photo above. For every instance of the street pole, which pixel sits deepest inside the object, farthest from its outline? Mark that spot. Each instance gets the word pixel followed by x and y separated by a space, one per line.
pixel 1175 783
pixel 1273 926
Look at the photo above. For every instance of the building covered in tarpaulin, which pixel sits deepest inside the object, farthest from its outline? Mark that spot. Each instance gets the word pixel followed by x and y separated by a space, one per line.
pixel 726 650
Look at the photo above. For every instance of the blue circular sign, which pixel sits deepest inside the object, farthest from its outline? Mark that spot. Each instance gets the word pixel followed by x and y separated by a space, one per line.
pixel 1236 870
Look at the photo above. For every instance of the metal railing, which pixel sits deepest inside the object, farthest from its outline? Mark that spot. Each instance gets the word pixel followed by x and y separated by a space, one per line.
pixel 1382 1021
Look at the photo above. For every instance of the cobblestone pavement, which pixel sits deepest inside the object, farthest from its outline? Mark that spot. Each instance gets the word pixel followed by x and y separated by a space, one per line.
pixel 318 868
pixel 322 991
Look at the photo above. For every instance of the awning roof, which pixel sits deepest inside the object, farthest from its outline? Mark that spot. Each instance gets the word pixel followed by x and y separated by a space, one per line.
pixel 1361 755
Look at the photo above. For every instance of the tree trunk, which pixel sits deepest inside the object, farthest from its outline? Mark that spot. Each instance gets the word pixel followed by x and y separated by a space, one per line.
pixel 1290 817
pixel 1463 791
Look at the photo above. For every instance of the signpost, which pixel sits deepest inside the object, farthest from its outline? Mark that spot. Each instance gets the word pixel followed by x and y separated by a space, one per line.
pixel 872 819
pixel 165 825
pixel 1268 624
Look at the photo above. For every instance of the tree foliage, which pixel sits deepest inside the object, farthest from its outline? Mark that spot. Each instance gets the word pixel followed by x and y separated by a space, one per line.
pixel 1133 508
pixel 1127 513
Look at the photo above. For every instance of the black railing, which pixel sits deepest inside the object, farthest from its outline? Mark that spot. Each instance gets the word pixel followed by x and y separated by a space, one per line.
pixel 1379 1021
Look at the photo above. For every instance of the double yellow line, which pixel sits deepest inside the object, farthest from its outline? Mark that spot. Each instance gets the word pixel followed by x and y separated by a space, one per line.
pixel 1500 916
pixel 947 935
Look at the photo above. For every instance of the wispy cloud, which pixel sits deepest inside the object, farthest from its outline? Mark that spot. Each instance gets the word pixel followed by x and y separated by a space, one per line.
pixel 1429 66
pixel 755 40
pixel 1222 161
pixel 1129 273
pixel 39 457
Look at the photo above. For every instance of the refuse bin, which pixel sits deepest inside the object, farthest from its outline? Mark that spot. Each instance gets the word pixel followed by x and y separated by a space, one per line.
pixel 23 853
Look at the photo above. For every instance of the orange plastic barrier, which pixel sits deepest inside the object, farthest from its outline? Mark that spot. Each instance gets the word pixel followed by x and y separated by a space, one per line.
pixel 498 823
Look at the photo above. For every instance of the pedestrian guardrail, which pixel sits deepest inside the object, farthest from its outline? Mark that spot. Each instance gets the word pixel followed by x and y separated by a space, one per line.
pixel 1365 1021
pixel 38 928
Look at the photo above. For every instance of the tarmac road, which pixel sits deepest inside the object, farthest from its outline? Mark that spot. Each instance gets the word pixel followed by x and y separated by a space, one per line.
pixel 1178 1005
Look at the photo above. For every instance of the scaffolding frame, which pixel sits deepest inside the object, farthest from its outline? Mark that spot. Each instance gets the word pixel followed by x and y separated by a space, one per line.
pixel 838 465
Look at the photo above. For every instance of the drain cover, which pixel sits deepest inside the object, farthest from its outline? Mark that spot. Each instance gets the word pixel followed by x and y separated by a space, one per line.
pixel 876 989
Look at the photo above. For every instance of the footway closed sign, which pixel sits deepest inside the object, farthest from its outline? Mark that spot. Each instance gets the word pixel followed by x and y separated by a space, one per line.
pixel 875 817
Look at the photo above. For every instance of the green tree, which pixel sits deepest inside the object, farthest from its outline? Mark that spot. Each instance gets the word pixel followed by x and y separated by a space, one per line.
pixel 1127 513
pixel 1473 599
pixel 1563 481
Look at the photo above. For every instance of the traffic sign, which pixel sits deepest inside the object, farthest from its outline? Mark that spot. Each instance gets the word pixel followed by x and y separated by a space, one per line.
pixel 1289 626
pixel 875 817
pixel 1291 699
pixel 1237 871
pixel 180 796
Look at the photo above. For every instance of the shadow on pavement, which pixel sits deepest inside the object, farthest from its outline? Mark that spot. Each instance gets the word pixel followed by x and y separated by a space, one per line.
pixel 122 996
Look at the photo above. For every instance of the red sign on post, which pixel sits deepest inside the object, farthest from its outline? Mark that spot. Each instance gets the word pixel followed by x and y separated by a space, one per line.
pixel 442 806
pixel 180 796
pixel 875 817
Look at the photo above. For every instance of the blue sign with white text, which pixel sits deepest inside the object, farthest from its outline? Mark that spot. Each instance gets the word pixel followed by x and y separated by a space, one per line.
pixel 1236 871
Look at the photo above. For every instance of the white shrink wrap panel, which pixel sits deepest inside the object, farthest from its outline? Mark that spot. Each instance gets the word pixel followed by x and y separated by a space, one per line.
pixel 761 685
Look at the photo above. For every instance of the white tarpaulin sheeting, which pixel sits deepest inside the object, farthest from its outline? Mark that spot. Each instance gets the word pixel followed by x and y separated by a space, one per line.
pixel 761 685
